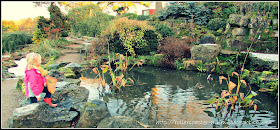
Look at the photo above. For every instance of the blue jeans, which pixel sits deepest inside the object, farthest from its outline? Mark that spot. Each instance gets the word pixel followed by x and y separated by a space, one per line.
pixel 48 95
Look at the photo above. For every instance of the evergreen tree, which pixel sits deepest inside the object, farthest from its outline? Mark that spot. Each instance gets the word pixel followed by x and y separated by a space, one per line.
pixel 190 10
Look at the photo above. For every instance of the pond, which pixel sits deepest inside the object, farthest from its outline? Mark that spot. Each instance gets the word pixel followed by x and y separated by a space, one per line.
pixel 167 98
pixel 19 70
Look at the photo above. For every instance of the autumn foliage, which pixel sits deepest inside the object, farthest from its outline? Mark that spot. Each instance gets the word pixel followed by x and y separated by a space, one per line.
pixel 9 26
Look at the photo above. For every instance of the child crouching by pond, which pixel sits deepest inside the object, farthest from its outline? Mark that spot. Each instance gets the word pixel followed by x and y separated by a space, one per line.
pixel 34 80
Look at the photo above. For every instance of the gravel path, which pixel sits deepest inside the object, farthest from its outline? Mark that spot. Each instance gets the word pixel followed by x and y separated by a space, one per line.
pixel 10 98
pixel 71 57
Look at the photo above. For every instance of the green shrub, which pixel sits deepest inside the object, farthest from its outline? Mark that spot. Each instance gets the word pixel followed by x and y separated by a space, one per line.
pixel 130 15
pixel 49 48
pixel 163 29
pixel 64 34
pixel 12 41
pixel 216 24
pixel 143 17
pixel 154 60
pixel 151 37
pixel 129 35
pixel 39 35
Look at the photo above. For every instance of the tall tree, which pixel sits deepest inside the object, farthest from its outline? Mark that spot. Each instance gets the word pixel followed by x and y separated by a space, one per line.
pixel 88 20
pixel 57 18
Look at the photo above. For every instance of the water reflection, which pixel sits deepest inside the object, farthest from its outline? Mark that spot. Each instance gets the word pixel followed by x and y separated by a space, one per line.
pixel 174 111
pixel 166 98
pixel 19 70
pixel 169 99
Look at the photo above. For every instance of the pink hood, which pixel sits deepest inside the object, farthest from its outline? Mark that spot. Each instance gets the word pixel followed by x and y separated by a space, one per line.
pixel 36 81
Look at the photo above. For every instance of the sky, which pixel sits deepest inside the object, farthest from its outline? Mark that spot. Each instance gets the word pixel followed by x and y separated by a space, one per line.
pixel 16 10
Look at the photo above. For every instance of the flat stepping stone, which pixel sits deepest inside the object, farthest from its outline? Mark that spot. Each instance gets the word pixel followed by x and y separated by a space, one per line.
pixel 77 47
pixel 260 59
pixel 266 57
pixel 71 57
pixel 70 51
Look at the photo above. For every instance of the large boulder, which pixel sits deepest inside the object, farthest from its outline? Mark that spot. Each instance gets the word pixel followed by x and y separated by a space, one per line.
pixel 70 91
pixel 68 73
pixel 207 39
pixel 41 115
pixel 266 60
pixel 57 66
pixel 239 32
pixel 74 72
pixel 86 46
pixel 205 52
pixel 60 85
pixel 52 66
pixel 71 100
pixel 275 24
pixel 94 112
pixel 238 20
pixel 56 74
pixel 275 34
pixel 67 82
pixel 119 122
pixel 74 66
pixel 259 22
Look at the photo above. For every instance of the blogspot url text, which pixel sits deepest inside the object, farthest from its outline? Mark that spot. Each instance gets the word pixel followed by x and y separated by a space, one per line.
pixel 183 122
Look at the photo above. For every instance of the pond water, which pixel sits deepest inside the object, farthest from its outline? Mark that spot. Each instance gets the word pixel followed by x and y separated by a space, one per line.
pixel 19 70
pixel 166 98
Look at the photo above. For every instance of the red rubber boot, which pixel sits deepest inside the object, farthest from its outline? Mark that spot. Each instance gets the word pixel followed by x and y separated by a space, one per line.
pixel 48 100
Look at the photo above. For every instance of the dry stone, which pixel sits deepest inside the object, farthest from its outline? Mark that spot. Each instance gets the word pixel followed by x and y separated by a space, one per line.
pixel 205 52
pixel 259 22
pixel 238 20
pixel 94 112
pixel 261 59
pixel 119 122
pixel 239 32
pixel 71 100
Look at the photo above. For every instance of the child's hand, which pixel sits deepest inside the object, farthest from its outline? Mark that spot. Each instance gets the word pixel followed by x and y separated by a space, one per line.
pixel 45 84
pixel 38 98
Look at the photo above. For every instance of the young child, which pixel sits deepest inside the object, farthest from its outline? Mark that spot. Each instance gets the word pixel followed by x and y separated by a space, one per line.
pixel 34 80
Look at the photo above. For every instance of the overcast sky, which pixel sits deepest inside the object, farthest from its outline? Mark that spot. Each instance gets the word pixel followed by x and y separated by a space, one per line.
pixel 16 10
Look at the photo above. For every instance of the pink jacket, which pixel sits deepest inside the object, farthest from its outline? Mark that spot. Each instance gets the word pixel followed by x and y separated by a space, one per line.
pixel 36 81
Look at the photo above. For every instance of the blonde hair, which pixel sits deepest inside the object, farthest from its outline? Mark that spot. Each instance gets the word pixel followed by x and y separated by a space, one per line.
pixel 31 59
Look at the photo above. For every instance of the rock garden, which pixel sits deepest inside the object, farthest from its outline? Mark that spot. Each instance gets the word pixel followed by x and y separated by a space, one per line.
pixel 237 47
